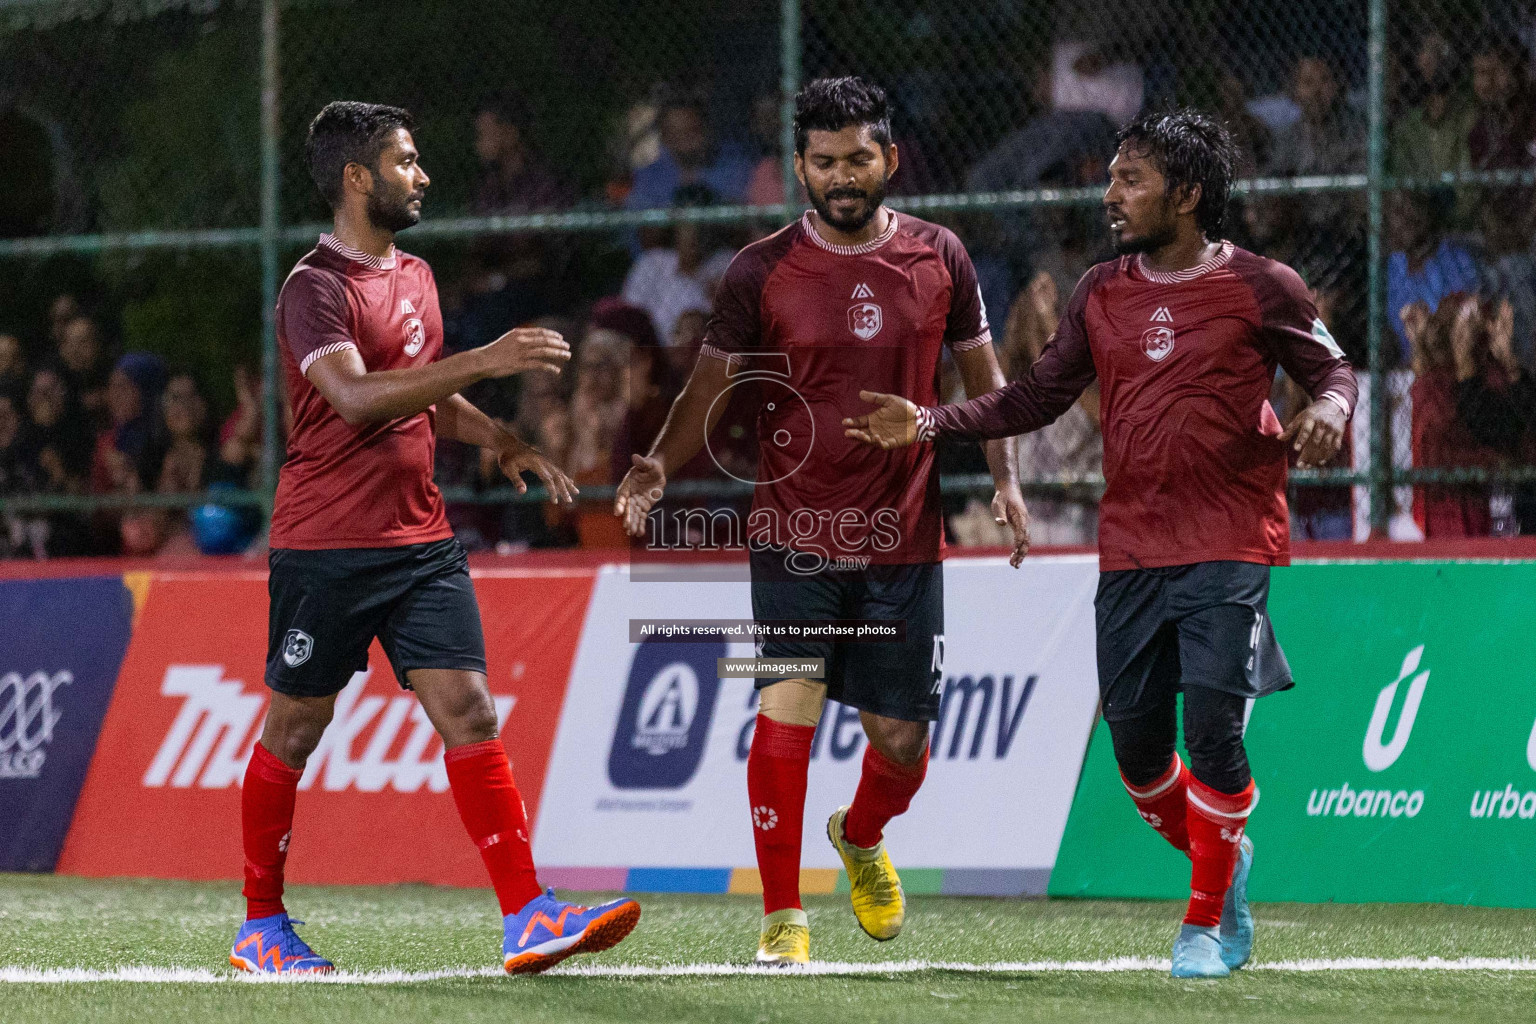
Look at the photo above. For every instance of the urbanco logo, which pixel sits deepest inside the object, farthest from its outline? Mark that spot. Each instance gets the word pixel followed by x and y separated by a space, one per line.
pixel 669 703
pixel 1380 756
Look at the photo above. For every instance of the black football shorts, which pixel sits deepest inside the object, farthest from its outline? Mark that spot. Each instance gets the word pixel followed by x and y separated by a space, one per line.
pixel 895 679
pixel 1205 624
pixel 327 606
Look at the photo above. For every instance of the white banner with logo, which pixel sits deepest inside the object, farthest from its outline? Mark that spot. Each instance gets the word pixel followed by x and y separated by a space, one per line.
pixel 649 764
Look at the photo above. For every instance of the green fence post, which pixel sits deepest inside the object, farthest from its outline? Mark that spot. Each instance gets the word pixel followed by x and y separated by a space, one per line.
pixel 1381 451
pixel 270 239
pixel 789 84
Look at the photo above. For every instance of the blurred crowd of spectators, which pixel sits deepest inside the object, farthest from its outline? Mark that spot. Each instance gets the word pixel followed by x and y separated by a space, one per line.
pixel 75 418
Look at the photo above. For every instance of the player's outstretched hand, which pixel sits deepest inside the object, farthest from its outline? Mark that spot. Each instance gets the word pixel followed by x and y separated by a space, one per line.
pixel 1009 510
pixel 638 493
pixel 518 457
pixel 892 425
pixel 526 348
pixel 1316 433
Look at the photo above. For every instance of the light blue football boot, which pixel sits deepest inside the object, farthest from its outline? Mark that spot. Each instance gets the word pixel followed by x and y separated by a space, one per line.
pixel 1197 953
pixel 1236 918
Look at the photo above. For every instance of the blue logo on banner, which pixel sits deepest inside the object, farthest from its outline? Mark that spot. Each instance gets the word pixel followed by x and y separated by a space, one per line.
pixel 668 705
pixel 64 642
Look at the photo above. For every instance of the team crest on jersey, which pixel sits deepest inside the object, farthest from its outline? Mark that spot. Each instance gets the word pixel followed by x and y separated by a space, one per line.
pixel 1157 343
pixel 865 320
pixel 415 336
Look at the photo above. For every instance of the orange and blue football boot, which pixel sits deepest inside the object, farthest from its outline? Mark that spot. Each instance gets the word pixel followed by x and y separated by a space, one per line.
pixel 269 945
pixel 548 930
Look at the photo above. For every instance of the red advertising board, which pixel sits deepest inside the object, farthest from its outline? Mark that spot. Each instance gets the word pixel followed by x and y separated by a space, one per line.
pixel 162 798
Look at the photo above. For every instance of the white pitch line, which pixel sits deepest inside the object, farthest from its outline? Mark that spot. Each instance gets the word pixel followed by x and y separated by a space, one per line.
pixel 185 975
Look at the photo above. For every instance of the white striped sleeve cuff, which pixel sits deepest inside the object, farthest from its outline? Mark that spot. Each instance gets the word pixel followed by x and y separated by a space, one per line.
pixel 926 431
pixel 984 338
pixel 322 352
pixel 731 358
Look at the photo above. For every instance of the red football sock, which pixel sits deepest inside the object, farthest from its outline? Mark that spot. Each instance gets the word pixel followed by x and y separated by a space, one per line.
pixel 885 790
pixel 776 778
pixel 1216 822
pixel 493 814
pixel 1163 805
pixel 266 823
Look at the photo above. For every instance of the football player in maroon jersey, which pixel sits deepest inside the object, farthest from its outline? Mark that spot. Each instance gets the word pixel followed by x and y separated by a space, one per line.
pixel 1183 333
pixel 361 546
pixel 850 294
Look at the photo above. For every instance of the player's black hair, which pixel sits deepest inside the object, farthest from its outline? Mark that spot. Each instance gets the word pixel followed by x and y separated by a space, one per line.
pixel 348 132
pixel 1189 148
pixel 832 104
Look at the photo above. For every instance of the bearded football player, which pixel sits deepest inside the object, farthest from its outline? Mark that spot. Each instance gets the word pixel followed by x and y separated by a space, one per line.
pixel 1183 333
pixel 361 546
pixel 850 294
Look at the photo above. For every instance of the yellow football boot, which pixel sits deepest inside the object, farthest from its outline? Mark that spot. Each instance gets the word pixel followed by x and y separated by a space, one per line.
pixel 785 939
pixel 875 888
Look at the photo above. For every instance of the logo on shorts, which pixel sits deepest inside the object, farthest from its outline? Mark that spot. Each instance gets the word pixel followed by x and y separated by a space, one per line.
pixel 664 722
pixel 415 336
pixel 297 647
pixel 865 320
pixel 1157 343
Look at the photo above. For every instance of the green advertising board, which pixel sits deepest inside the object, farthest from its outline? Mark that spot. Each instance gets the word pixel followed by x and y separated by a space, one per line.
pixel 1402 767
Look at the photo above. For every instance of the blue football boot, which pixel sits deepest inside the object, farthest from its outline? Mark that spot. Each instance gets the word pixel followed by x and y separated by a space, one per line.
pixel 1197 953
pixel 548 930
pixel 269 945
pixel 1236 918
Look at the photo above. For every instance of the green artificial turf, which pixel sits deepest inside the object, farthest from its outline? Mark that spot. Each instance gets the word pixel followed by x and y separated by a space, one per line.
pixel 50 922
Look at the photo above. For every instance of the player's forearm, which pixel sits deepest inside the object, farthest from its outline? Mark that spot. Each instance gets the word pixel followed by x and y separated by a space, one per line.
pixel 392 394
pixel 1003 462
pixel 459 420
pixel 692 417
pixel 981 374
pixel 1008 411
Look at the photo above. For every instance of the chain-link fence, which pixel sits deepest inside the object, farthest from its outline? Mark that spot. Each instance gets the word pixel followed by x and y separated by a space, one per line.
pixel 158 196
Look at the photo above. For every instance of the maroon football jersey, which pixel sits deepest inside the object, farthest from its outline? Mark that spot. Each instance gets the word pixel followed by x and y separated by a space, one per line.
pixel 1193 463
pixel 811 324
pixel 368 486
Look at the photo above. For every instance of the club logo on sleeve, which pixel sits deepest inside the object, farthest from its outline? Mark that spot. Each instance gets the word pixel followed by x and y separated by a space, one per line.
pixel 865 320
pixel 297 647
pixel 1157 343
pixel 415 336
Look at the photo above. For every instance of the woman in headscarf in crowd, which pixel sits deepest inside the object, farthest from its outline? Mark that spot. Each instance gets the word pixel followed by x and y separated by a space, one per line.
pixel 125 459
pixel 128 452
pixel 621 395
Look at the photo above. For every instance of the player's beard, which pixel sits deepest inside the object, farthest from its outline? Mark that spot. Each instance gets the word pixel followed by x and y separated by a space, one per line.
pixel 390 210
pixel 1150 241
pixel 872 202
